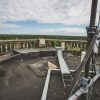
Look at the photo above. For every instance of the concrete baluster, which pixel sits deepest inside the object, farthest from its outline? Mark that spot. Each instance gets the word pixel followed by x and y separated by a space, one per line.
pixel 71 44
pixel 77 44
pixel 24 45
pixel 6 47
pixel 27 45
pixel 31 44
pixel 10 47
pixel 1 51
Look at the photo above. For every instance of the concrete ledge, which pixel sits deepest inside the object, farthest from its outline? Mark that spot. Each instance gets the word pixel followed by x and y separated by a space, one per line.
pixel 36 52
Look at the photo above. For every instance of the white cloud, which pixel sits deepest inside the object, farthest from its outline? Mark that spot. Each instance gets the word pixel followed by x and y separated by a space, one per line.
pixel 69 12
pixel 8 26
pixel 64 31
pixel 46 11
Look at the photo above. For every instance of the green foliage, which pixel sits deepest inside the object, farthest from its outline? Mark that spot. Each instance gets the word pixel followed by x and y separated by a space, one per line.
pixel 57 43
pixel 73 49
pixel 11 37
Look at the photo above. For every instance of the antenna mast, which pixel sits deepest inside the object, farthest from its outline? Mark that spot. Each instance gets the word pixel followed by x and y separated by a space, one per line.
pixel 91 32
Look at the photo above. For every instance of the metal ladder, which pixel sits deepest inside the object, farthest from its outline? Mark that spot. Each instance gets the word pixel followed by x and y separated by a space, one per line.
pixel 66 74
pixel 67 79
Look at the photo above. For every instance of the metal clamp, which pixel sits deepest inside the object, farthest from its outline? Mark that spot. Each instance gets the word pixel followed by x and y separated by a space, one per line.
pixel 91 30
pixel 85 81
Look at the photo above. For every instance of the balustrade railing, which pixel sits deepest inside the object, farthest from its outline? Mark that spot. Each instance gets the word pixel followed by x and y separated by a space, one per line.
pixel 69 45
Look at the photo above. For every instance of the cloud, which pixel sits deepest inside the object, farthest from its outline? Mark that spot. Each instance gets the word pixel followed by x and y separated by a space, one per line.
pixel 46 11
pixel 64 31
pixel 8 25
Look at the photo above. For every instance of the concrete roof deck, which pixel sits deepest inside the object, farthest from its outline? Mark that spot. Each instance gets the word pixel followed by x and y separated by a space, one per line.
pixel 35 50
pixel 17 82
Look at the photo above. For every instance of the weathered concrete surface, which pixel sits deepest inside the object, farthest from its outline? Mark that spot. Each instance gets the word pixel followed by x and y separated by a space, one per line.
pixel 5 56
pixel 35 50
pixel 18 82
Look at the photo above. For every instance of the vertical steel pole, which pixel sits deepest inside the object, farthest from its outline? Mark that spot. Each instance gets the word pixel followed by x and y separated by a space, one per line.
pixel 90 34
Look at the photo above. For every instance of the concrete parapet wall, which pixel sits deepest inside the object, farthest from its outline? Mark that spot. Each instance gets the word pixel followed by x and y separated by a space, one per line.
pixel 69 45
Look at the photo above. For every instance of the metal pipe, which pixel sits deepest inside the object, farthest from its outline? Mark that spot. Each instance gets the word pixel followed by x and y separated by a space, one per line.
pixel 93 80
pixel 82 90
pixel 72 71
pixel 45 90
pixel 93 13
pixel 83 64
pixel 77 94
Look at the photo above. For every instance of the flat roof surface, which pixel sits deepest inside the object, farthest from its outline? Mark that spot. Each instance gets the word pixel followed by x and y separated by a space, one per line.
pixel 35 50
pixel 18 82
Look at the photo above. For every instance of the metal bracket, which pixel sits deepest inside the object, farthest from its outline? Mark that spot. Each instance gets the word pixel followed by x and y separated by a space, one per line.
pixel 85 81
pixel 91 30
pixel 67 80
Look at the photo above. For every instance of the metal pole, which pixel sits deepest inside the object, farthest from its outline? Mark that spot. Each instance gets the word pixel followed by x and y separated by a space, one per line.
pixel 90 32
pixel 82 89
pixel 45 90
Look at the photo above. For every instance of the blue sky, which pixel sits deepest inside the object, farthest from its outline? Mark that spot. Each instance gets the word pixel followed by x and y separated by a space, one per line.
pixel 50 17
pixel 34 27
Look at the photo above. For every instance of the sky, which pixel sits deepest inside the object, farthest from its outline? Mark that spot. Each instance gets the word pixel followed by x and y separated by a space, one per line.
pixel 45 17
